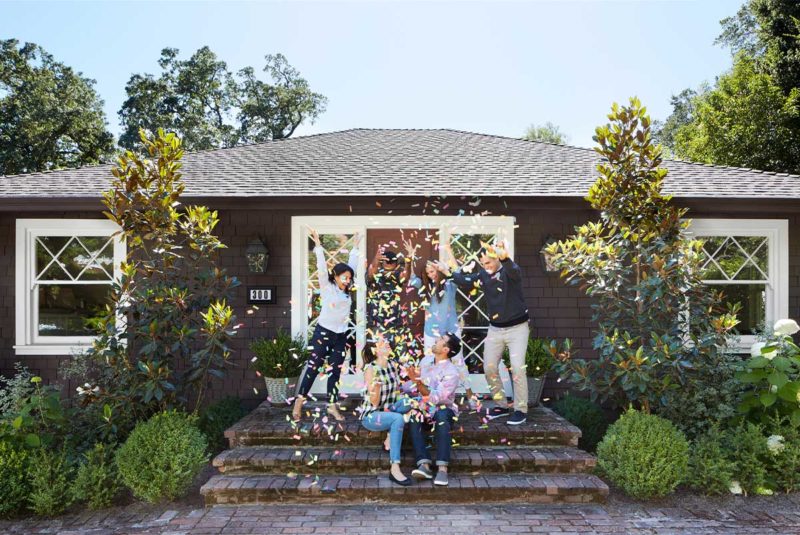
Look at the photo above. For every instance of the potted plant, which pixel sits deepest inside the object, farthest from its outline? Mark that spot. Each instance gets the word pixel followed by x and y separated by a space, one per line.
pixel 279 360
pixel 538 361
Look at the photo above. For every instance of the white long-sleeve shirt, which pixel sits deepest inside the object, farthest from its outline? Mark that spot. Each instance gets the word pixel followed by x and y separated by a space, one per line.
pixel 334 313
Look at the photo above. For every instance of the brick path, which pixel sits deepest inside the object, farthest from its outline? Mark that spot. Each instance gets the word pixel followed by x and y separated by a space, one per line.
pixel 700 516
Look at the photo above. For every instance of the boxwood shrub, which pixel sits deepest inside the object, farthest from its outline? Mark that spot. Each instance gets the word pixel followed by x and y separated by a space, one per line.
pixel 14 484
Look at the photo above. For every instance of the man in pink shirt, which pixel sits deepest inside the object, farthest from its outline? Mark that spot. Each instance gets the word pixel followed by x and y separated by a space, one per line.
pixel 437 384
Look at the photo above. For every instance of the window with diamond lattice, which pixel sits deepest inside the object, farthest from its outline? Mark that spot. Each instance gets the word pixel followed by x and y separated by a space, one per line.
pixel 471 304
pixel 739 267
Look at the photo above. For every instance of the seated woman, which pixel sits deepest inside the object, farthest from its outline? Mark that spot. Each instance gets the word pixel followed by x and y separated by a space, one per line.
pixel 382 389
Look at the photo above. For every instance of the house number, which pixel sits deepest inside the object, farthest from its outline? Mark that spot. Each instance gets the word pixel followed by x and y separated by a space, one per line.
pixel 260 295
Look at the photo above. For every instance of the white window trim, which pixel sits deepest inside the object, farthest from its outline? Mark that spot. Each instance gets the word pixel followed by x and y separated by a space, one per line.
pixel 503 226
pixel 27 342
pixel 777 233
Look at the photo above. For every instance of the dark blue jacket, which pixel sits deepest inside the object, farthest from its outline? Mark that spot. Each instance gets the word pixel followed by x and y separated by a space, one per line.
pixel 502 291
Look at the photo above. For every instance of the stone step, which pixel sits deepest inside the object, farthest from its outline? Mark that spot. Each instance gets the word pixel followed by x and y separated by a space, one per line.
pixel 485 488
pixel 328 460
pixel 271 426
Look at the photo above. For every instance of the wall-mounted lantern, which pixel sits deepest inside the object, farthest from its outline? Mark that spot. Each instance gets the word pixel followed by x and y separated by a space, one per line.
pixel 257 256
pixel 547 259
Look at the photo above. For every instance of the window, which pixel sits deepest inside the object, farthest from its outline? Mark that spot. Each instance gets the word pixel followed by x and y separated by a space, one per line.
pixel 748 260
pixel 64 272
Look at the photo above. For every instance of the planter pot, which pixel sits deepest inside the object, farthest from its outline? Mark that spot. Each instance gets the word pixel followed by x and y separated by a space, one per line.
pixel 279 389
pixel 535 387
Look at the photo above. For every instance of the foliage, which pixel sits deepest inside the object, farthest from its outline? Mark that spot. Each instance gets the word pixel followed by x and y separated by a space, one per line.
pixel 747 449
pixel 172 294
pixel 745 120
pixel 588 416
pixel 50 474
pixel 50 116
pixel 710 469
pixel 772 379
pixel 539 357
pixel 282 356
pixel 39 420
pixel 218 417
pixel 656 320
pixel 783 462
pixel 209 107
pixel 162 456
pixel 14 484
pixel 709 396
pixel 644 454
pixel 548 132
pixel 15 391
pixel 97 481
pixel 682 114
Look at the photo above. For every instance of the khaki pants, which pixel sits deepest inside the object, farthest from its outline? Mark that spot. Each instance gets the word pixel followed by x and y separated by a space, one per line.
pixel 516 340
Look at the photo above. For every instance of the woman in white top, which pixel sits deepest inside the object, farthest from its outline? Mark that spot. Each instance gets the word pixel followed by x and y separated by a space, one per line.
pixel 329 341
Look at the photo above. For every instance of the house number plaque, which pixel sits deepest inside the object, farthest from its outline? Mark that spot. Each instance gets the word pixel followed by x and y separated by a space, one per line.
pixel 260 295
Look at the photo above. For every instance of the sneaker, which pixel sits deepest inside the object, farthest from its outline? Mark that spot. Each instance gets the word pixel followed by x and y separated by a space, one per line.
pixel 518 418
pixel 422 472
pixel 498 412
pixel 441 479
pixel 474 404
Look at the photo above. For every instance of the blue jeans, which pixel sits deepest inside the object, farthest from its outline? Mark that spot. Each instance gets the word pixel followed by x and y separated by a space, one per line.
pixel 324 345
pixel 442 424
pixel 391 421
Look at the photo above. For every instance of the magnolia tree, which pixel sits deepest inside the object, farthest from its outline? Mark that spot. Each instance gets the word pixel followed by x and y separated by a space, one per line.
pixel 657 323
pixel 166 332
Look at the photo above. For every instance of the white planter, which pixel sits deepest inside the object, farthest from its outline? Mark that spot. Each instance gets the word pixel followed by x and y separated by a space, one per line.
pixel 280 389
pixel 535 387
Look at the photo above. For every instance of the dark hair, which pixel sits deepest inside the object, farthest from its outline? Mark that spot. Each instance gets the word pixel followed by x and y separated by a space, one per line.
pixel 453 344
pixel 391 257
pixel 369 353
pixel 338 269
pixel 434 288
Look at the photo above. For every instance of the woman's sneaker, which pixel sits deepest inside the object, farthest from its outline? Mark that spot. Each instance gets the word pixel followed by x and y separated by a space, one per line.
pixel 441 479
pixel 517 418
pixel 498 412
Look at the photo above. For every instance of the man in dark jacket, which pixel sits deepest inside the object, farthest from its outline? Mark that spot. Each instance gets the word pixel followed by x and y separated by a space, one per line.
pixel 500 278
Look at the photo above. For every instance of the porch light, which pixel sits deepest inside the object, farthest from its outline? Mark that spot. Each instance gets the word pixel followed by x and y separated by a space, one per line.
pixel 547 260
pixel 257 256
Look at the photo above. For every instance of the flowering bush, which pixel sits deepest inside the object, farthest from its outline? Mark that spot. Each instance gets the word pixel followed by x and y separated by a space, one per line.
pixel 772 376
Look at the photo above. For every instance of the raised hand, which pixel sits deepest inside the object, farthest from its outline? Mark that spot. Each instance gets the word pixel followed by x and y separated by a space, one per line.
pixel 314 236
pixel 410 248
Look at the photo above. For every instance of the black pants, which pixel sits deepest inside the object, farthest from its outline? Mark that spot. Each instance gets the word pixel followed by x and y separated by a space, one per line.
pixel 330 346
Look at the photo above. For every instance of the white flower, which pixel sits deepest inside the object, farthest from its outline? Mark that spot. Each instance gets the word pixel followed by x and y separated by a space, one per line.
pixel 755 349
pixel 775 444
pixel 773 389
pixel 735 487
pixel 786 327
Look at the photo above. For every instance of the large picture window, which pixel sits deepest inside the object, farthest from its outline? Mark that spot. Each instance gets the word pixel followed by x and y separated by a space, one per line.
pixel 747 259
pixel 64 276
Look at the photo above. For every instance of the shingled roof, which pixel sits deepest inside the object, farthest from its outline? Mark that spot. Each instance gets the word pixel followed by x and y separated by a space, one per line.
pixel 366 162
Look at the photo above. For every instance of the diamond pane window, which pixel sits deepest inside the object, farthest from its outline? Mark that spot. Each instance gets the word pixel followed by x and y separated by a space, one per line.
pixel 739 267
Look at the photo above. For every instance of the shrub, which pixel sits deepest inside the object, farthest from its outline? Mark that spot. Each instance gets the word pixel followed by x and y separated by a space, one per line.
pixel 217 418
pixel 14 484
pixel 783 460
pixel 539 357
pixel 644 454
pixel 282 356
pixel 710 468
pixel 162 456
pixel 50 474
pixel 97 482
pixel 588 416
pixel 747 449
pixel 15 390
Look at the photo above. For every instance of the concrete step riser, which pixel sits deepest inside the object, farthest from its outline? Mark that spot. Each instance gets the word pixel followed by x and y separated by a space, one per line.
pixel 357 440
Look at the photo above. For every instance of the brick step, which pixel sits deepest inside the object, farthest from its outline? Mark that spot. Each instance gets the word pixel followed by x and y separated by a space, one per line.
pixel 271 426
pixel 328 460
pixel 485 488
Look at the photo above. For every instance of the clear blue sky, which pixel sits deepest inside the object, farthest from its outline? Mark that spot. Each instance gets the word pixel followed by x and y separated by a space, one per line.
pixel 491 67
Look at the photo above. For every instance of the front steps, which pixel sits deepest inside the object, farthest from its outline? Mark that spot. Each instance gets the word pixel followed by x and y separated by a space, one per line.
pixel 273 461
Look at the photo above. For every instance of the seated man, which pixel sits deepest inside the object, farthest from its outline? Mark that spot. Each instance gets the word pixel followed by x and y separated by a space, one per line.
pixel 437 385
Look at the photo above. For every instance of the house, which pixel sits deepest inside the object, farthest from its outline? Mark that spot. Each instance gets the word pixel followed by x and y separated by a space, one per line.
pixel 428 185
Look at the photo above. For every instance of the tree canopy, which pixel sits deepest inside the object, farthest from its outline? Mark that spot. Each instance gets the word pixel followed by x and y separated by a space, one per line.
pixel 210 107
pixel 547 132
pixel 50 116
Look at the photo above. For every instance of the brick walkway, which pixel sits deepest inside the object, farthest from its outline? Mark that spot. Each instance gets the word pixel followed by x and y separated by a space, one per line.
pixel 699 516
